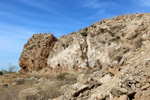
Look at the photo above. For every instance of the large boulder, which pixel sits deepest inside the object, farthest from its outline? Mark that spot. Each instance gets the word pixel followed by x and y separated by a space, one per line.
pixel 35 52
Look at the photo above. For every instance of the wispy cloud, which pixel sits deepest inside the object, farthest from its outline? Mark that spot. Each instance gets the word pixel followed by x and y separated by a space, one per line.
pixel 145 3
pixel 15 29
pixel 35 23
pixel 96 3
pixel 99 8
pixel 44 6
pixel 25 19
pixel 14 16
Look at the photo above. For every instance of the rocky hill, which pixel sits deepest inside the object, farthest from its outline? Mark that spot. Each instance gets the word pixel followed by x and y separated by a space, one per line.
pixel 114 54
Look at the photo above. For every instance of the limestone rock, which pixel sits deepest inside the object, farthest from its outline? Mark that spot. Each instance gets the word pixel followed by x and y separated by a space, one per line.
pixel 117 91
pixel 145 87
pixel 143 95
pixel 123 97
pixel 69 53
pixel 112 58
pixel 102 45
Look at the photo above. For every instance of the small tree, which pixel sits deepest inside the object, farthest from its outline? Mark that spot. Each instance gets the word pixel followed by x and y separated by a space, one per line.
pixel 12 68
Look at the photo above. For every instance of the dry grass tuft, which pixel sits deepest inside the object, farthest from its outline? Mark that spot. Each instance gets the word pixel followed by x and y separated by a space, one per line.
pixel 51 84
pixel 52 91
pixel 35 75
pixel 61 79
pixel 10 93
pixel 67 78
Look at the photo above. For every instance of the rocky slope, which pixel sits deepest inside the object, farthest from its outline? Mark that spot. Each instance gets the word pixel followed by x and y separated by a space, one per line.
pixel 113 55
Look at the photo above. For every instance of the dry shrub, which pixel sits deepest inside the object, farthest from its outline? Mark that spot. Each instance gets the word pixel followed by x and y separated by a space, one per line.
pixel 35 75
pixel 30 83
pixel 83 32
pixel 61 79
pixel 10 93
pixel 67 78
pixel 51 76
pixel 52 91
pixel 62 76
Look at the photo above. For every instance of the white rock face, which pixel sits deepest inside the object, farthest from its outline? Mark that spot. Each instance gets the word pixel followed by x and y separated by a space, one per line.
pixel 101 45
pixel 68 57
pixel 99 53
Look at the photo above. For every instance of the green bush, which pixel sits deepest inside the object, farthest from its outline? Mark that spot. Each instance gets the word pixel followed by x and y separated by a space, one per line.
pixel 1 73
pixel 83 32
pixel 84 56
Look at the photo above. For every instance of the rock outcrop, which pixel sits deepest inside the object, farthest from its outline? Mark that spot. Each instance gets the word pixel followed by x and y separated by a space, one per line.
pixel 111 56
pixel 35 52
pixel 101 45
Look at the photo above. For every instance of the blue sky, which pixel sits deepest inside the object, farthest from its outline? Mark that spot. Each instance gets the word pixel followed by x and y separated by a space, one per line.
pixel 20 19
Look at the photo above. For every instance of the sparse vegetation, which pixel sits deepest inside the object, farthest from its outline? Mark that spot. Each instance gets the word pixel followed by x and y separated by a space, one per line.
pixel 102 30
pixel 1 73
pixel 67 78
pixel 83 32
pixel 52 91
pixel 118 58
pixel 11 92
pixel 62 76
pixel 12 68
pixel 84 56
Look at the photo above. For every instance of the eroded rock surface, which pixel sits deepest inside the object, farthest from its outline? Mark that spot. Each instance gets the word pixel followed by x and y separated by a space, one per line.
pixel 102 44
pixel 35 52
